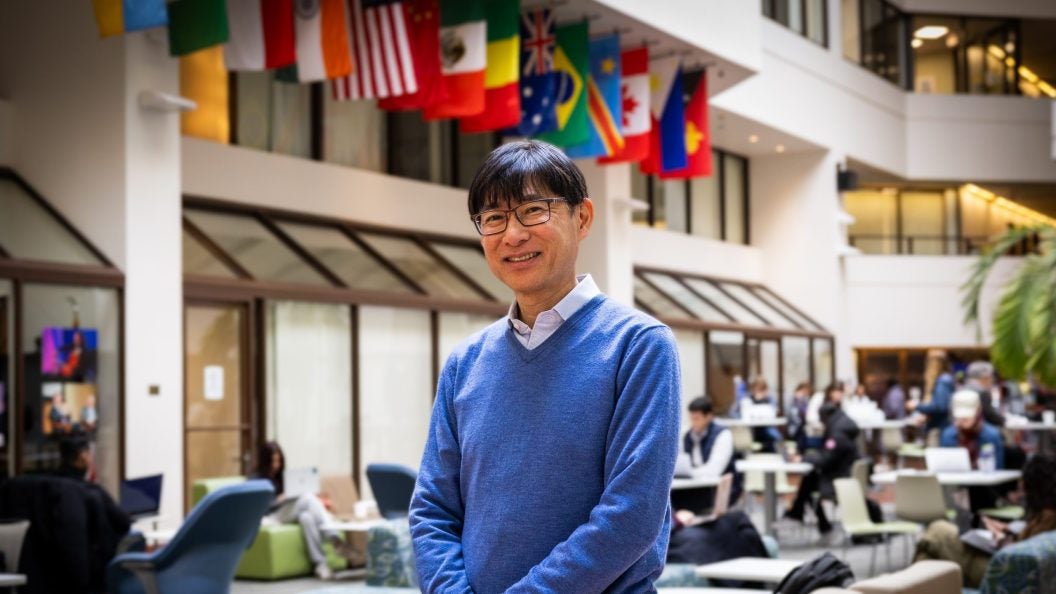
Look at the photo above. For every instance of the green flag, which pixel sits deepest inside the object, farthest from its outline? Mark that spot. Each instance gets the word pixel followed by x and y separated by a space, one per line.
pixel 195 25
pixel 571 67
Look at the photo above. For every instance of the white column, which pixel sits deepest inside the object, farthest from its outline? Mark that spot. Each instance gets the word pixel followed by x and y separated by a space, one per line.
pixel 606 253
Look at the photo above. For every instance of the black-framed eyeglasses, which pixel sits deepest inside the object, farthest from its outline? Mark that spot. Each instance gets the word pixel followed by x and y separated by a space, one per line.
pixel 530 213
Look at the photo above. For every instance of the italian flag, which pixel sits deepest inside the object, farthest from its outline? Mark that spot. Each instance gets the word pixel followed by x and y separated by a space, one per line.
pixel 463 43
pixel 323 50
pixel 261 35
pixel 502 97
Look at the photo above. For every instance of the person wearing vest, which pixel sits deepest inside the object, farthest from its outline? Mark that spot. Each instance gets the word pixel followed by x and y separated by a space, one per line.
pixel 709 447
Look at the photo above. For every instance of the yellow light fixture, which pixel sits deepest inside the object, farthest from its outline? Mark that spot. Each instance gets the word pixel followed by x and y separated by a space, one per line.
pixel 780 148
pixel 1025 73
pixel 1009 205
pixel 931 32
pixel 917 42
pixel 753 138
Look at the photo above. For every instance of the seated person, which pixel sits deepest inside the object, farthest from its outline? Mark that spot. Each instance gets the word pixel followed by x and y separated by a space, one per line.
pixel 75 458
pixel 942 539
pixel 767 437
pixel 709 447
pixel 833 461
pixel 309 510
pixel 971 432
pixel 815 429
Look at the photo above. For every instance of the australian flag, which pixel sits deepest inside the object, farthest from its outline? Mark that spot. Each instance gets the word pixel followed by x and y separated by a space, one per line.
pixel 538 81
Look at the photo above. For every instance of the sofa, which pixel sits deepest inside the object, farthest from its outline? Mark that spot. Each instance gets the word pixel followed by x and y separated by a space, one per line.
pixel 923 577
pixel 279 551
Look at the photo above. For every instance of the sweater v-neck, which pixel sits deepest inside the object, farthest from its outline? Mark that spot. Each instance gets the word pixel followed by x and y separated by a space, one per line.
pixel 529 355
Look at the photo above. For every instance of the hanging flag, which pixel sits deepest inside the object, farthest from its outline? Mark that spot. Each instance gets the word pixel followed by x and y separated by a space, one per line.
pixel 323 50
pixel 571 66
pixel 634 93
pixel 667 140
pixel 605 132
pixel 381 50
pixel 538 82
pixel 261 35
pixel 502 99
pixel 422 18
pixel 698 140
pixel 195 25
pixel 463 49
pixel 115 17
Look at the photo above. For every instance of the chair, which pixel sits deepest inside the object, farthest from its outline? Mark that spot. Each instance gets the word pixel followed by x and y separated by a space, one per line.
pixel 919 498
pixel 860 472
pixel 856 520
pixel 203 555
pixel 12 536
pixel 923 577
pixel 1008 513
pixel 393 486
pixel 742 439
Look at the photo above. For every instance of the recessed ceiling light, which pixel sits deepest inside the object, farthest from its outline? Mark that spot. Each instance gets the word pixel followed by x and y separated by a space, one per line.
pixel 917 42
pixel 952 40
pixel 753 139
pixel 931 32
pixel 780 148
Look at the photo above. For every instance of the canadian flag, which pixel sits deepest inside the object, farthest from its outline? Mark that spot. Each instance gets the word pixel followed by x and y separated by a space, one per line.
pixel 634 91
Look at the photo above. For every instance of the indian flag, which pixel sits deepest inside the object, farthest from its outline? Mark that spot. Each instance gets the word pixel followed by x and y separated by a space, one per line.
pixel 502 98
pixel 323 50
pixel 463 56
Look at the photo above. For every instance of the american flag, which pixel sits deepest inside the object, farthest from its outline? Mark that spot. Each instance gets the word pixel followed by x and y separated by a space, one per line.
pixel 381 52
pixel 537 46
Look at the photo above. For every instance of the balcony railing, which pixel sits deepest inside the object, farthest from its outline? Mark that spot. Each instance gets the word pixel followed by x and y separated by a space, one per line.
pixel 934 245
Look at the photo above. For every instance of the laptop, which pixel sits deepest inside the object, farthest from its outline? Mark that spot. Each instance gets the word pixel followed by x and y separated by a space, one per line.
pixel 141 497
pixel 298 481
pixel 947 460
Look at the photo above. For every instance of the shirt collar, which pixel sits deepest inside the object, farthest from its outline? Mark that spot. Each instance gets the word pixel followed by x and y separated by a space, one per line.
pixel 585 290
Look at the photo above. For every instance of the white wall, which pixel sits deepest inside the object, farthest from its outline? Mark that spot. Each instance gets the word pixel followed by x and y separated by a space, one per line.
pixel 915 301
pixel 657 248
pixel 606 252
pixel 978 138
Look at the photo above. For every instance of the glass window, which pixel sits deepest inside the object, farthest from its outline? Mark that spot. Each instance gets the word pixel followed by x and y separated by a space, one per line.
pixel 471 261
pixel 815 21
pixel 421 267
pixel 823 368
pixel 774 302
pixel 852 40
pixel 734 176
pixel 472 150
pixel 671 205
pixel 883 49
pixel 923 222
pixel 677 291
pixel 357 268
pixel 725 367
pixel 691 362
pixel 795 366
pixel 433 164
pixel 253 110
pixel 354 133
pixel 254 247
pixel 273 115
pixel 71 375
pixel 199 260
pixel 309 384
pixel 657 303
pixel 723 301
pixel 764 362
pixel 753 303
pixel 396 386
pixel 640 191
pixel 456 327
pixel 28 231
pixel 875 227
pixel 706 200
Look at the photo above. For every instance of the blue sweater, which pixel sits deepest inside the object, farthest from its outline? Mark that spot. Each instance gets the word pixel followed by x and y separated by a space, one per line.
pixel 938 410
pixel 987 435
pixel 550 470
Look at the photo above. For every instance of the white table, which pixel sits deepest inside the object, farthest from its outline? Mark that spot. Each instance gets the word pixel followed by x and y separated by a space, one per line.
pixel 708 591
pixel 880 423
pixel 1046 429
pixel 695 482
pixel 771 422
pixel 975 478
pixel 749 569
pixel 770 469
pixel 353 525
pixel 157 538
pixel 12 579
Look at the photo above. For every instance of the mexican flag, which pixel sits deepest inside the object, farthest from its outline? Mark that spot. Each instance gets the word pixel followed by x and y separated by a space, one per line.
pixel 502 98
pixel 463 50
pixel 571 67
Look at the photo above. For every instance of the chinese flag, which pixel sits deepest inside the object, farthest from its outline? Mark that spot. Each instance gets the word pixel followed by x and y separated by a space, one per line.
pixel 698 141
pixel 423 26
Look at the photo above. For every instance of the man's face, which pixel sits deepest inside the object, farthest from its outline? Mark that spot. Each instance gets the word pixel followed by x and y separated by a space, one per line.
pixel 699 421
pixel 836 396
pixel 551 248
pixel 987 382
pixel 964 423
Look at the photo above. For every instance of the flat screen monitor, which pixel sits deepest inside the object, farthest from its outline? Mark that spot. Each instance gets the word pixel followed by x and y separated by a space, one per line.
pixel 141 497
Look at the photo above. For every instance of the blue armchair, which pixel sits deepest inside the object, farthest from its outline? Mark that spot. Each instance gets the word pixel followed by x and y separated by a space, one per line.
pixel 203 555
pixel 393 487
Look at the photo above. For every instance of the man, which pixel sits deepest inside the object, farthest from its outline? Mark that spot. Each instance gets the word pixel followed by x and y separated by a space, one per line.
pixel 935 410
pixel 894 400
pixel 75 458
pixel 554 434
pixel 709 447
pixel 838 453
pixel 970 431
pixel 981 379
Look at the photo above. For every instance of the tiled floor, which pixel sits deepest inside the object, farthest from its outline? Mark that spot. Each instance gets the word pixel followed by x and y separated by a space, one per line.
pixel 797 542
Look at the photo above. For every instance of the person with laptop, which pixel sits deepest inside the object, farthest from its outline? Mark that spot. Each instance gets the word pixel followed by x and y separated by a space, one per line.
pixel 969 430
pixel 707 450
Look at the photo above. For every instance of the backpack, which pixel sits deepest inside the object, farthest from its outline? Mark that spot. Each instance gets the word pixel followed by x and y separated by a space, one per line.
pixel 825 570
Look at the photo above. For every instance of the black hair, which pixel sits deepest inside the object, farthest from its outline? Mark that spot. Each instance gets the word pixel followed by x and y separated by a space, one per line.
pixel 514 167
pixel 264 469
pixel 70 449
pixel 836 386
pixel 1039 483
pixel 701 404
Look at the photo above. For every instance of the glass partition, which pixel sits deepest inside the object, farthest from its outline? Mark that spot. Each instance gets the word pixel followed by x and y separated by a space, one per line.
pixel 726 368
pixel 823 369
pixel 679 292
pixel 795 366
pixel 456 327
pixel 722 300
pixel 691 362
pixel 29 232
pixel 197 259
pixel 353 133
pixel 419 265
pixel 471 261
pixel 657 303
pixel 345 258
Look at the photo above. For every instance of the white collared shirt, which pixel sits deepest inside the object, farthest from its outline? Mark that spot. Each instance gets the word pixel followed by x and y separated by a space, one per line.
pixel 547 322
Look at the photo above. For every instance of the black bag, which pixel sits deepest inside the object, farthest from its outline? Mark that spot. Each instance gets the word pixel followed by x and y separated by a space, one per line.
pixel 823 571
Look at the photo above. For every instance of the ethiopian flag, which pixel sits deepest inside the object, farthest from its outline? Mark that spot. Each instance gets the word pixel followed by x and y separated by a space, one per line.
pixel 605 134
pixel 463 51
pixel 502 98
pixel 571 68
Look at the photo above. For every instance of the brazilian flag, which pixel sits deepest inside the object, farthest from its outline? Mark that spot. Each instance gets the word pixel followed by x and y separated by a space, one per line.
pixel 571 68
